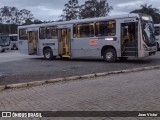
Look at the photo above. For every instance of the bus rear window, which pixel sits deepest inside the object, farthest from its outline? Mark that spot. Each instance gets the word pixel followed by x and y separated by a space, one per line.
pixel 107 28
pixel 51 32
pixel 23 35
pixel 85 30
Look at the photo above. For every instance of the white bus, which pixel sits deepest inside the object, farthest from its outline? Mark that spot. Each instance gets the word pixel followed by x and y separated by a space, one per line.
pixel 4 42
pixel 111 37
pixel 157 34
pixel 13 41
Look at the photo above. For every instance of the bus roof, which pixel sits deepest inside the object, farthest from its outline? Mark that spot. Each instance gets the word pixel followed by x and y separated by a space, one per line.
pixel 81 20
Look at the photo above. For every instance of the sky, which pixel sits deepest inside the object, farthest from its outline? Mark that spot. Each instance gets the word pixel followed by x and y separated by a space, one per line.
pixel 51 10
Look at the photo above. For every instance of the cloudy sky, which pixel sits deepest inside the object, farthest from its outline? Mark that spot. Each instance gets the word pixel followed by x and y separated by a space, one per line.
pixel 52 9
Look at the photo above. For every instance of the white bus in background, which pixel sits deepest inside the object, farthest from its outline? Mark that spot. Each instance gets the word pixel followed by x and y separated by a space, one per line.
pixel 13 41
pixel 112 37
pixel 4 42
pixel 157 34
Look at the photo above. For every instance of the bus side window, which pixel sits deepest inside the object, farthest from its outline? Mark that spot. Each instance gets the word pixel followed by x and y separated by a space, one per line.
pixel 23 35
pixel 51 33
pixel 106 28
pixel 42 33
pixel 85 30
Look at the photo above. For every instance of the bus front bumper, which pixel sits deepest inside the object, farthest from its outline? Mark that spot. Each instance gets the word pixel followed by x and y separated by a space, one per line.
pixel 143 53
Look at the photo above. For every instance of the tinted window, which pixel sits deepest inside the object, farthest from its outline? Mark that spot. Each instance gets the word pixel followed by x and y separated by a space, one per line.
pixel 51 32
pixel 4 40
pixel 23 34
pixel 107 28
pixel 42 33
pixel 13 38
pixel 85 30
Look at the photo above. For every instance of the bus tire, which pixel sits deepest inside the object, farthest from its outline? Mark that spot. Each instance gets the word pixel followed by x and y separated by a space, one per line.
pixel 15 47
pixel 48 54
pixel 157 46
pixel 3 50
pixel 110 55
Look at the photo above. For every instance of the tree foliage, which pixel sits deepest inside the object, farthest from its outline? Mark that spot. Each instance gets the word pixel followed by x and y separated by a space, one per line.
pixel 11 28
pixel 95 8
pixel 70 11
pixel 90 9
pixel 148 9
pixel 11 15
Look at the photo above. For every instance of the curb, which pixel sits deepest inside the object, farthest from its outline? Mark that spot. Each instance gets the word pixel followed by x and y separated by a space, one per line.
pixel 37 83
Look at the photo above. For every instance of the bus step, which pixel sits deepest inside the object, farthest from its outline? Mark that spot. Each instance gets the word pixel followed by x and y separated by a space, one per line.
pixel 66 56
pixel 131 48
pixel 130 53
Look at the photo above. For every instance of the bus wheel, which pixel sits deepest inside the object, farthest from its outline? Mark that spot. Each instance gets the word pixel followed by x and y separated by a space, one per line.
pixel 123 58
pixel 3 50
pixel 48 54
pixel 110 55
pixel 157 46
pixel 15 47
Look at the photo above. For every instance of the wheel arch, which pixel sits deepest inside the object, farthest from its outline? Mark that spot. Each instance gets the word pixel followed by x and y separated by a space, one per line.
pixel 46 47
pixel 107 47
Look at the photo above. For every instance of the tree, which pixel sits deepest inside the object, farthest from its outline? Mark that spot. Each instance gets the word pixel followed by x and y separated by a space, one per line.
pixel 5 13
pixel 11 15
pixel 70 11
pixel 148 9
pixel 36 21
pixel 25 15
pixel 95 8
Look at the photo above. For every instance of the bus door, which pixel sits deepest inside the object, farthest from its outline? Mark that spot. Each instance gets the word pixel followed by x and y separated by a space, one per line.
pixel 64 42
pixel 129 39
pixel 157 34
pixel 32 42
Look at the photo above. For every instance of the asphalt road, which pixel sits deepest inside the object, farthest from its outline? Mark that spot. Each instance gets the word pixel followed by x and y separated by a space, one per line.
pixel 138 91
pixel 18 68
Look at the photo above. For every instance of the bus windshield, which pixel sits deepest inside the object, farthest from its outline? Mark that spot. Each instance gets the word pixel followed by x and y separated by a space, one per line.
pixel 4 40
pixel 148 32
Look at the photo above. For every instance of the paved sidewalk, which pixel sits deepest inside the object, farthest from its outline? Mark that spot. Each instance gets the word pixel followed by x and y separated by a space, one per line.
pixel 137 91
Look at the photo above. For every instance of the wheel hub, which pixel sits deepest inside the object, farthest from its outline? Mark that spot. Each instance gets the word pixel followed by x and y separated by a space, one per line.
pixel 109 55
pixel 48 55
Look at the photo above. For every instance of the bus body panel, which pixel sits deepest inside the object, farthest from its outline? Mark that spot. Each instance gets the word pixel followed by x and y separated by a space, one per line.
pixel 53 44
pixel 23 46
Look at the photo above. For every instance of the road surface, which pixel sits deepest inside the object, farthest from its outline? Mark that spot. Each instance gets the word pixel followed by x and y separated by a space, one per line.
pixel 19 68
